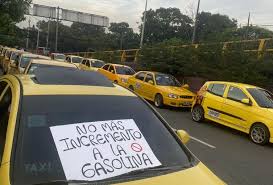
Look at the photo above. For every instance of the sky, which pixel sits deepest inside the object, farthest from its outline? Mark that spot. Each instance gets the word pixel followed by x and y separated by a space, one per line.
pixel 131 10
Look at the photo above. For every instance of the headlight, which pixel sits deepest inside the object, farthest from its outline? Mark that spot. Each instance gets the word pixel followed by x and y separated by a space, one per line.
pixel 173 96
pixel 124 80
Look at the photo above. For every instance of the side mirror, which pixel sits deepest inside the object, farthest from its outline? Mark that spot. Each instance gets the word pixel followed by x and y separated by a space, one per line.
pixel 246 101
pixel 183 136
pixel 151 82
pixel 186 86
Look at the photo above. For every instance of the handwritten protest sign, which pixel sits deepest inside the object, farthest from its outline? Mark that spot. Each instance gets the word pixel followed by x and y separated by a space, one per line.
pixel 99 150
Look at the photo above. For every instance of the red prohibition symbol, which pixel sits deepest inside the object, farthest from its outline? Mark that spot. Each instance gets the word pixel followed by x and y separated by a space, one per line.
pixel 136 147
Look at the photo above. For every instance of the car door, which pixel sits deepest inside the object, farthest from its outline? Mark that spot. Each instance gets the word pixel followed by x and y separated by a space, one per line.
pixel 5 149
pixel 111 73
pixel 149 86
pixel 236 113
pixel 138 82
pixel 104 70
pixel 82 65
pixel 88 65
pixel 214 100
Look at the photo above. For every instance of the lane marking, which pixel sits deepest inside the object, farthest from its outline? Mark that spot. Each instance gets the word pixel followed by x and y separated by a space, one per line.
pixel 202 142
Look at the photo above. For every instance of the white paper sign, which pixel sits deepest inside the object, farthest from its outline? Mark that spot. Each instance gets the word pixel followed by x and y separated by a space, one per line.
pixel 99 150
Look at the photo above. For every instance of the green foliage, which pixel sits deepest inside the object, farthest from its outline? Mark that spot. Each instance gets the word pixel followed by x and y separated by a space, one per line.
pixel 210 63
pixel 166 23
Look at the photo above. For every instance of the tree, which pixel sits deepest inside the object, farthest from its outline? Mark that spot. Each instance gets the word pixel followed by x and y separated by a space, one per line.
pixel 211 25
pixel 124 36
pixel 11 12
pixel 166 23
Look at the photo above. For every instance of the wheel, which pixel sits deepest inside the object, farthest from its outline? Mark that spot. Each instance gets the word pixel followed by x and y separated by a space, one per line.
pixel 115 82
pixel 131 88
pixel 158 101
pixel 259 134
pixel 197 113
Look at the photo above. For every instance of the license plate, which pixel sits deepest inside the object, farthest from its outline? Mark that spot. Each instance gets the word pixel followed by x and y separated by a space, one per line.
pixel 214 114
pixel 186 104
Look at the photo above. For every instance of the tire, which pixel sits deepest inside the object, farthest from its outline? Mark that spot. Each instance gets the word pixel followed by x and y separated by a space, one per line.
pixel 158 101
pixel 259 134
pixel 131 88
pixel 197 113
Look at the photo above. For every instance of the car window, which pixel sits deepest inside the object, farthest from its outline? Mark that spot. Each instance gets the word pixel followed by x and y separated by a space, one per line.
pixel 36 146
pixel 25 61
pixel 263 97
pixel 124 70
pixel 140 76
pixel 217 89
pixel 166 80
pixel 111 69
pixel 97 63
pixel 236 94
pixel 87 63
pixel 5 103
pixel 105 67
pixel 68 59
pixel 76 60
pixel 84 62
pixel 149 77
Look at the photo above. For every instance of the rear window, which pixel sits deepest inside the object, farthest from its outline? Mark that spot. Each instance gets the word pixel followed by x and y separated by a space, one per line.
pixel 37 159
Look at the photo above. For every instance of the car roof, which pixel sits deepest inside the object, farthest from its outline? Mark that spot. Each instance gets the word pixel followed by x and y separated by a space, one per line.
pixel 69 81
pixel 34 55
pixel 117 65
pixel 155 72
pixel 52 62
pixel 74 56
pixel 234 84
pixel 57 54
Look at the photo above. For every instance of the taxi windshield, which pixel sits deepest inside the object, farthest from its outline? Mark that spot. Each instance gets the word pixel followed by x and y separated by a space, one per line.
pixel 37 160
pixel 123 70
pixel 263 97
pixel 166 80
pixel 97 63
pixel 76 60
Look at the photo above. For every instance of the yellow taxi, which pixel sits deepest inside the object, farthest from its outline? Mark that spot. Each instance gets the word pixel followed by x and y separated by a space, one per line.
pixel 242 107
pixel 162 89
pixel 91 64
pixel 50 64
pixel 74 59
pixel 58 57
pixel 12 54
pixel 51 133
pixel 22 61
pixel 3 55
pixel 117 73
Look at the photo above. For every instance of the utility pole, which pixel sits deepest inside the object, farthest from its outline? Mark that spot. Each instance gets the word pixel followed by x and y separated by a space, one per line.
pixel 48 32
pixel 143 26
pixel 38 38
pixel 57 29
pixel 28 29
pixel 195 24
pixel 247 29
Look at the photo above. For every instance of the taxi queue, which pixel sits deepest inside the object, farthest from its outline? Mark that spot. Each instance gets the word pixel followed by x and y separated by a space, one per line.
pixel 39 95
pixel 247 108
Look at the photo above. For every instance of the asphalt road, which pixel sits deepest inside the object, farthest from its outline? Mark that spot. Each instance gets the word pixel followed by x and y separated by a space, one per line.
pixel 227 152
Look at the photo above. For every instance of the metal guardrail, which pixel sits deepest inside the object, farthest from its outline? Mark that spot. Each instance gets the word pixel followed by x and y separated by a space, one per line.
pixel 259 47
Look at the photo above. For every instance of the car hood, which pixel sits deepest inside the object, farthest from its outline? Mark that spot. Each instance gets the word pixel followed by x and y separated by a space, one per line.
pixel 198 175
pixel 177 90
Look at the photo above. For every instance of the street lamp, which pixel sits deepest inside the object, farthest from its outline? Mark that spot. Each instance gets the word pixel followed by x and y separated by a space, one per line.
pixel 143 26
